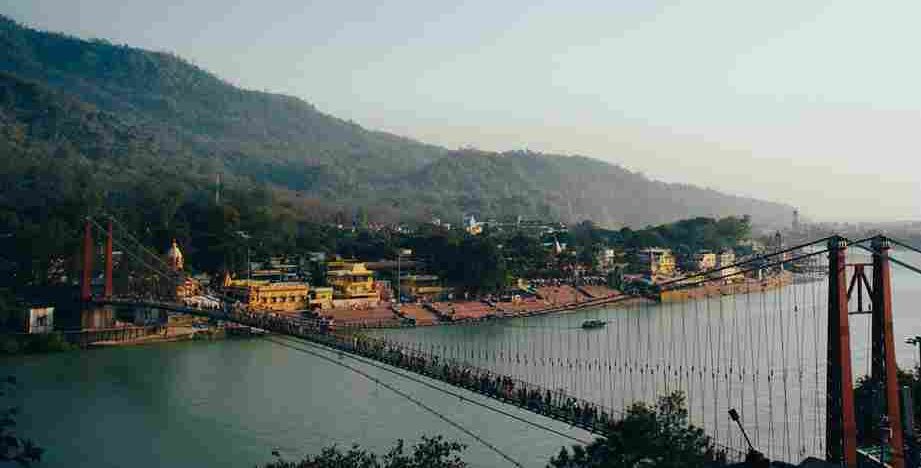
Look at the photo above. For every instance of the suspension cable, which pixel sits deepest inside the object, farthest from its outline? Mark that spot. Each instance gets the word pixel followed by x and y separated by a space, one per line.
pixel 405 395
pixel 447 391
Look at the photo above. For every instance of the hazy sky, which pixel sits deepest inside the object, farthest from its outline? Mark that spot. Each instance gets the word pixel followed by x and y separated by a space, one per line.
pixel 813 103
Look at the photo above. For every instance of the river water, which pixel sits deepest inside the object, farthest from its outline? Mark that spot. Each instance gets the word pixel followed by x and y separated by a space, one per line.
pixel 230 403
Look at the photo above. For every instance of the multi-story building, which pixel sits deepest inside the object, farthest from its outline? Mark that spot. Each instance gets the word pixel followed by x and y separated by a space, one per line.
pixel 608 259
pixel 726 258
pixel 321 298
pixel 39 320
pixel 725 262
pixel 705 260
pixel 289 296
pixel 351 280
pixel 422 287
pixel 657 262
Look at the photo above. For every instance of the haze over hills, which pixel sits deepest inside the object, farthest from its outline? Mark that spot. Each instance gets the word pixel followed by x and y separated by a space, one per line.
pixel 150 112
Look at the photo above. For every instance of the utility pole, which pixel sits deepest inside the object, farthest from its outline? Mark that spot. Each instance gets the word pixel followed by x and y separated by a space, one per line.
pixel 400 254
pixel 249 266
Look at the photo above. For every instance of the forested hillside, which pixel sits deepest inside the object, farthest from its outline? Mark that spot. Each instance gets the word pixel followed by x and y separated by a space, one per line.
pixel 125 116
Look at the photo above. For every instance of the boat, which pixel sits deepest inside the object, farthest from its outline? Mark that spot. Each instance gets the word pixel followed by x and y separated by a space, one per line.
pixel 589 324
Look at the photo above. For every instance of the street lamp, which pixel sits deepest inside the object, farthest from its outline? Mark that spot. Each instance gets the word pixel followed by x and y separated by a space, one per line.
pixel 400 254
pixel 249 266
pixel 915 340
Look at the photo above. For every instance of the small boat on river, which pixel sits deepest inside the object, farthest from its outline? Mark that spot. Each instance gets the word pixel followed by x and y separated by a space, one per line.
pixel 590 324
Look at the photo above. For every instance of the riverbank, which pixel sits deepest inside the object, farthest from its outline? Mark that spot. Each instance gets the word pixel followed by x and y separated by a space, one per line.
pixel 546 300
pixel 20 344
pixel 24 344
pixel 716 288
pixel 169 335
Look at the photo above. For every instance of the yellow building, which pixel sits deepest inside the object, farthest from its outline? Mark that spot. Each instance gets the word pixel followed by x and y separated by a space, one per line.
pixel 705 260
pixel 351 280
pixel 657 262
pixel 726 260
pixel 426 287
pixel 321 298
pixel 265 295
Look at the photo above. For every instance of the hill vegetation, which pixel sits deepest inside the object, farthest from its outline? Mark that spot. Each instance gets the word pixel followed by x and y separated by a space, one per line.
pixel 165 115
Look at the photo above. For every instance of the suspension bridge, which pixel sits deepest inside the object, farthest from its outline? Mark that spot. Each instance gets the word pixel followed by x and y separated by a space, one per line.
pixel 770 337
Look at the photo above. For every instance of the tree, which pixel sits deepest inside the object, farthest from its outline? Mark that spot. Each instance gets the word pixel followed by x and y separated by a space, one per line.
pixel 525 255
pixel 14 448
pixel 654 436
pixel 431 452
pixel 869 400
pixel 10 310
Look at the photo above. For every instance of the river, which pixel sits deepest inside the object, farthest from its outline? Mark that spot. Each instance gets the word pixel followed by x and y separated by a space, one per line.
pixel 230 403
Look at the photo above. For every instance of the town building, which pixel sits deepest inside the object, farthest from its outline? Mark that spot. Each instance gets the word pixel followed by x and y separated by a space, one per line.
pixel 351 280
pixel 726 261
pixel 422 287
pixel 705 260
pixel 726 258
pixel 321 298
pixel 657 262
pixel 754 245
pixel 472 226
pixel 276 269
pixel 539 227
pixel 288 296
pixel 39 320
pixel 607 259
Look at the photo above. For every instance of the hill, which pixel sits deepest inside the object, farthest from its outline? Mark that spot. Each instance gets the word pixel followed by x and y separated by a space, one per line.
pixel 157 108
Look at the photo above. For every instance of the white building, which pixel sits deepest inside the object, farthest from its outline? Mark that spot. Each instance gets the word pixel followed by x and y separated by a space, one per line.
pixel 40 320
pixel 472 226
pixel 607 258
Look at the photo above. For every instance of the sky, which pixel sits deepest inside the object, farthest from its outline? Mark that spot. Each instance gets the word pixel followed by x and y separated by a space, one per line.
pixel 816 104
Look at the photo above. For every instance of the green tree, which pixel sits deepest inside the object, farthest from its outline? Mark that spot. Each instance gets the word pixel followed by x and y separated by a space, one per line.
pixel 869 402
pixel 648 436
pixel 525 254
pixel 10 310
pixel 431 452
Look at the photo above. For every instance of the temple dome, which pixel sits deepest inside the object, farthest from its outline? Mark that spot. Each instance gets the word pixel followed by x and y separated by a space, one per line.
pixel 175 257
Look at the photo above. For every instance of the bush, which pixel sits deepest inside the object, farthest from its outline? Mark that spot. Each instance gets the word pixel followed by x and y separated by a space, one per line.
pixel 647 436
pixel 34 344
pixel 432 452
